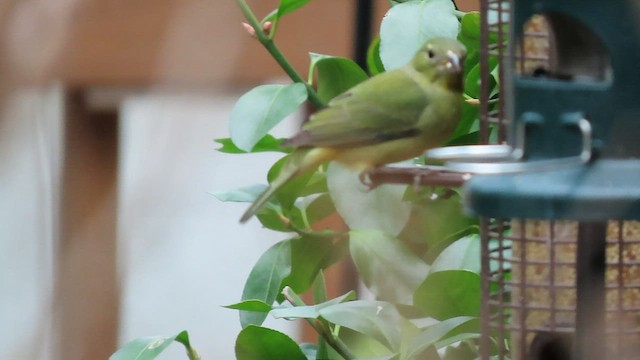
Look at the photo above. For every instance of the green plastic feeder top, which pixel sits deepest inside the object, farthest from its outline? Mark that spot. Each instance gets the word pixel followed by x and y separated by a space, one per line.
pixel 585 107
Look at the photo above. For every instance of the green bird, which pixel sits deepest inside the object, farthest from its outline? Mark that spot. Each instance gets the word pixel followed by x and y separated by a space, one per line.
pixel 394 116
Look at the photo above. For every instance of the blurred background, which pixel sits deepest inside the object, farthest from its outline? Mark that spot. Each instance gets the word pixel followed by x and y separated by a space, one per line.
pixel 108 111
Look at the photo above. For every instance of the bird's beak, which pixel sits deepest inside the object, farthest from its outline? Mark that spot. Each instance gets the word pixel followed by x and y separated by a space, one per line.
pixel 453 62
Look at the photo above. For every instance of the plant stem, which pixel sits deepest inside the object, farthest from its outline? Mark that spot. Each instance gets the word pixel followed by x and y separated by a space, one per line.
pixel 192 354
pixel 319 326
pixel 271 47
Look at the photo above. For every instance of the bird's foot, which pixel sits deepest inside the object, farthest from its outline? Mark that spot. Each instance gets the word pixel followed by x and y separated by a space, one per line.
pixel 443 195
pixel 365 179
pixel 417 183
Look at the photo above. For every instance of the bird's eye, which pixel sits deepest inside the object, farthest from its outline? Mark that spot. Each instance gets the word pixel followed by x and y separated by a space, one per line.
pixel 431 54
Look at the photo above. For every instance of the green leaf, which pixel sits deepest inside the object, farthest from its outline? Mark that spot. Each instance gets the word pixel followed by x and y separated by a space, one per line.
pixel 295 188
pixel 380 320
pixel 251 305
pixel 291 191
pixel 275 169
pixel 148 348
pixel 470 31
pixel 337 75
pixel 433 221
pixel 473 59
pixel 374 63
pixel 424 322
pixel 265 279
pixel 463 351
pixel 472 138
pixel 316 185
pixel 289 6
pixel 430 353
pixel 436 249
pixel 470 115
pixel 262 108
pixel 286 7
pixel 448 294
pixel 448 341
pixel 309 255
pixel 363 346
pixel 495 75
pixel 362 209
pixel 467 330
pixel 310 311
pixel 319 288
pixel 259 343
pixel 432 334
pixel 266 144
pixel 271 219
pixel 320 208
pixel 472 81
pixel 313 61
pixel 407 26
pixel 463 254
pixel 386 266
pixel 246 194
pixel 183 338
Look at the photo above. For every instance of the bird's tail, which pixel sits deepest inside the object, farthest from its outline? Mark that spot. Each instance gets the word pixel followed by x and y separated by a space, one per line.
pixel 300 161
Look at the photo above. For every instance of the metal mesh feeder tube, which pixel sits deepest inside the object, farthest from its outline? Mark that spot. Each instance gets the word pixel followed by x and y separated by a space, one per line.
pixel 560 269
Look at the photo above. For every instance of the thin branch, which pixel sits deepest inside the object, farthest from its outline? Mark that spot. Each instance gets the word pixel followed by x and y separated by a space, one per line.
pixel 319 326
pixel 416 176
pixel 271 47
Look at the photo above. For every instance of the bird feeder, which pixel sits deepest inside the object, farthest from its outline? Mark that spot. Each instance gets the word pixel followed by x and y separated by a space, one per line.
pixel 559 195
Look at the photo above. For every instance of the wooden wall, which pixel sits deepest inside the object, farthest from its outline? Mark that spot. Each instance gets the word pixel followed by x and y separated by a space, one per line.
pixel 183 42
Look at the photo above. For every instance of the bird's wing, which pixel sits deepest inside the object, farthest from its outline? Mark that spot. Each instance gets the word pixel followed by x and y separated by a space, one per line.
pixel 385 107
